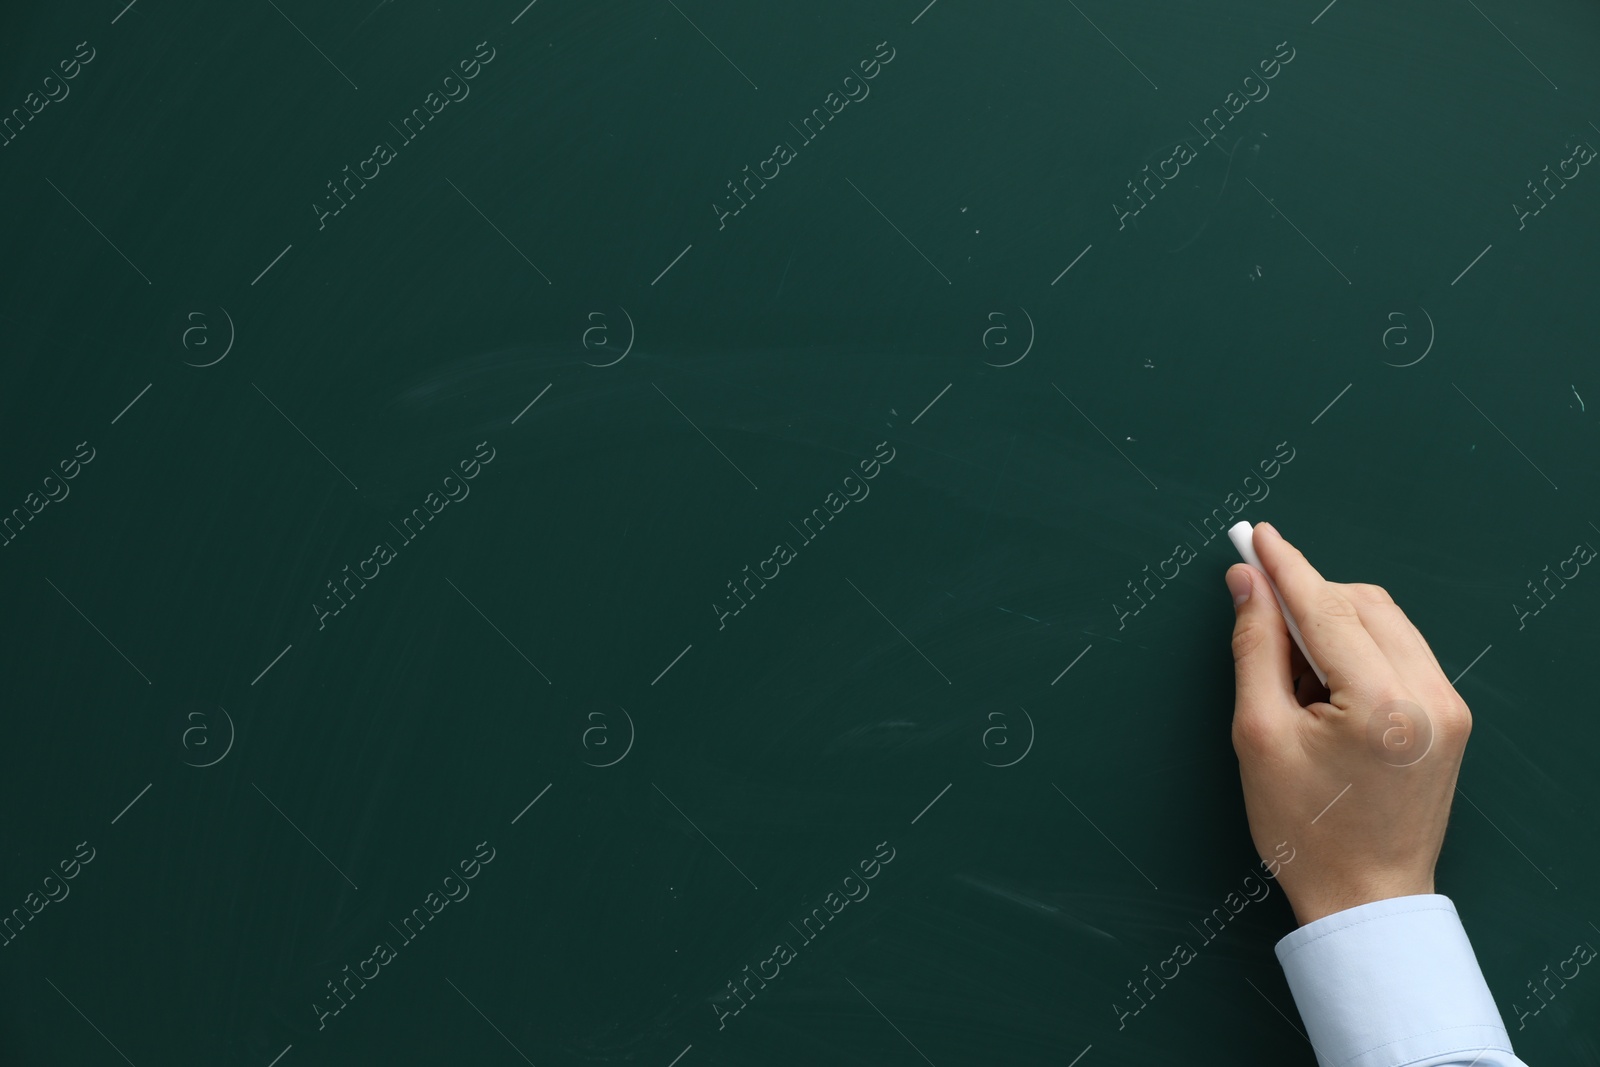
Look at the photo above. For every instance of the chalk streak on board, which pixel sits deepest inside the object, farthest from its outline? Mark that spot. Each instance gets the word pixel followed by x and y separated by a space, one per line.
pixel 1079 256
pixel 671 665
pixel 702 833
pixel 101 232
pixel 1102 833
pixel 680 1055
pixel 890 1021
pixel 1102 433
pixel 1301 232
pixel 1073 664
pixel 524 11
pixel 899 231
pixel 1474 263
pixel 1082 1054
pixel 1324 11
pixel 932 402
pixel 286 1049
pixel 121 13
pixel 674 263
pixel 702 433
pixel 131 803
pixel 924 11
pixel 1502 433
pixel 501 632
pixel 146 389
pixel 531 803
pixel 273 664
pixel 1332 402
pixel 901 632
pixel 490 1021
pixel 931 803
pixel 1469 666
pixel 532 402
pixel 274 263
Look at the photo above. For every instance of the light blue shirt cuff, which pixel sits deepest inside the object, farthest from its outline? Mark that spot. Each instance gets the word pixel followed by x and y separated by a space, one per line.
pixel 1394 983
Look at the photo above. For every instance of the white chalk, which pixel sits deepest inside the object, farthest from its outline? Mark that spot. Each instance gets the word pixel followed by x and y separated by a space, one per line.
pixel 1242 534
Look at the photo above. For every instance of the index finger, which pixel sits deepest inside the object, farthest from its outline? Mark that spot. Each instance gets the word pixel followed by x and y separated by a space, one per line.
pixel 1329 620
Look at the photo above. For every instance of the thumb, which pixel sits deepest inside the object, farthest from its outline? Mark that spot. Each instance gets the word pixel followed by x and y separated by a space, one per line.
pixel 1260 642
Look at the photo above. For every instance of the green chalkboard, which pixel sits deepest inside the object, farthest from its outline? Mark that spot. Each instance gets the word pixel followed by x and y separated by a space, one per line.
pixel 677 532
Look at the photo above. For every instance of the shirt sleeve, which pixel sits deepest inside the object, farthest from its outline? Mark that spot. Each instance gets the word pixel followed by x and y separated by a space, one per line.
pixel 1394 983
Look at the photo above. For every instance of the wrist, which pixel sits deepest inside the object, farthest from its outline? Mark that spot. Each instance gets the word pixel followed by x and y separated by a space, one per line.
pixel 1327 900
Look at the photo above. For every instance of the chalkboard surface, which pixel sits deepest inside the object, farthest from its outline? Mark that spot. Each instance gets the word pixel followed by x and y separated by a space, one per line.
pixel 681 532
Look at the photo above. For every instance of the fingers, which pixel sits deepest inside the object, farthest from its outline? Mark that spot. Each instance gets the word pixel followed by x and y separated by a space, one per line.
pixel 1328 619
pixel 1402 643
pixel 1261 644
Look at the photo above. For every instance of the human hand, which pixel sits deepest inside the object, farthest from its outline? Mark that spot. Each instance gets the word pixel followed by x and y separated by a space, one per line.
pixel 1356 776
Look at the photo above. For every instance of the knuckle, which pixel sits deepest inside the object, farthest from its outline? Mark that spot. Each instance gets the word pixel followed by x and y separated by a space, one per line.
pixel 1366 593
pixel 1393 695
pixel 1453 714
pixel 1333 604
pixel 1251 735
pixel 1248 637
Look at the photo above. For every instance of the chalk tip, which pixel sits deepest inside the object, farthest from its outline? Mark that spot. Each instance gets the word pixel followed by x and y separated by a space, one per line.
pixel 1243 537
